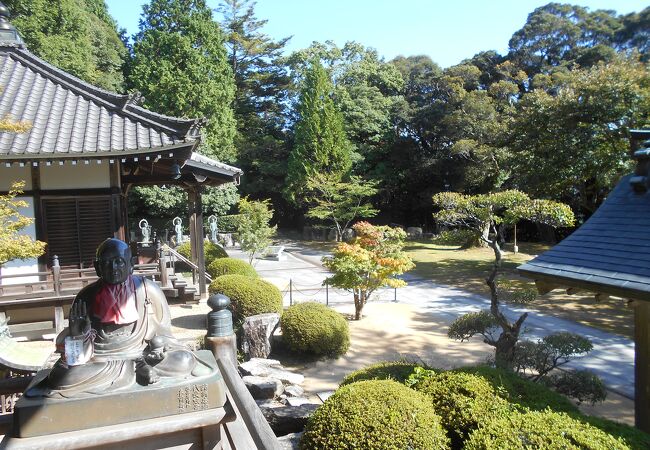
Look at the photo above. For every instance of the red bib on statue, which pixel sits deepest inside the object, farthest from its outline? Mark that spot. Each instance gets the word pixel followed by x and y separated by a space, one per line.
pixel 115 303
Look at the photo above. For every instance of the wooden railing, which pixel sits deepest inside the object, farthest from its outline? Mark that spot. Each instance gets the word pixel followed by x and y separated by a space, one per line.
pixel 175 256
pixel 56 288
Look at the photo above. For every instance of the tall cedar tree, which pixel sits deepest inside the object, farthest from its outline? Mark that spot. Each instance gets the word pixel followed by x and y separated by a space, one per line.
pixel 78 36
pixel 260 104
pixel 180 66
pixel 321 145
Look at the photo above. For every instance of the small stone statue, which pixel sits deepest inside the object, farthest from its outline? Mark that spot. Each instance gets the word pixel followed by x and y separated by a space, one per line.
pixel 145 229
pixel 178 228
pixel 119 334
pixel 212 220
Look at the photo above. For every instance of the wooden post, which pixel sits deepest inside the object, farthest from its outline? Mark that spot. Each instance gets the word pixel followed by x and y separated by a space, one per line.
pixel 642 365
pixel 196 235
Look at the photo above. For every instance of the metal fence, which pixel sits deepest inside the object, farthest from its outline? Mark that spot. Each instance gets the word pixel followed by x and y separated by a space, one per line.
pixel 329 295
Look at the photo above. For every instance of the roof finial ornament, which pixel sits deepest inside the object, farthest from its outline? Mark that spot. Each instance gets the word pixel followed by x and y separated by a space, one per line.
pixel 8 33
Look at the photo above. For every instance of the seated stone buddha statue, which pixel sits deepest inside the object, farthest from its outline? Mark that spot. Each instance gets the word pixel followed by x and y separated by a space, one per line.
pixel 119 334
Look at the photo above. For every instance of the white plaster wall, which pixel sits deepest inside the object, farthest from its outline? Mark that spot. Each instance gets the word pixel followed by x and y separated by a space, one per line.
pixel 8 175
pixel 79 176
pixel 27 265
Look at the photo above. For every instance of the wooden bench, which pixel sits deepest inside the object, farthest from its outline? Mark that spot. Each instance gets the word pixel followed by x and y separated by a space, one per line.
pixel 274 252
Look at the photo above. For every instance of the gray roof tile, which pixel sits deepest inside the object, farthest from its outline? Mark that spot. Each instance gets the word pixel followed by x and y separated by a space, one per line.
pixel 611 249
pixel 71 117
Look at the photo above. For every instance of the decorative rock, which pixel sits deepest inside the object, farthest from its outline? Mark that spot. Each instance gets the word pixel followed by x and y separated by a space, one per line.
pixel 294 391
pixel 290 441
pixel 414 232
pixel 270 368
pixel 257 331
pixel 269 404
pixel 263 387
pixel 331 235
pixel 290 419
pixel 298 401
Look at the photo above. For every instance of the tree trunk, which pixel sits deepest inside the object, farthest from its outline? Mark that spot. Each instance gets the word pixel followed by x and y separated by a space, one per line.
pixel 358 304
pixel 505 345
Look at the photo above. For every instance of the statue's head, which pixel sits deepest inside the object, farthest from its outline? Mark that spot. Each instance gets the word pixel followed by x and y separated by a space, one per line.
pixel 113 262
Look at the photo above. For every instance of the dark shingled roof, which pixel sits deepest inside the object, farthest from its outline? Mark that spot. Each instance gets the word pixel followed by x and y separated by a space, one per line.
pixel 609 253
pixel 70 117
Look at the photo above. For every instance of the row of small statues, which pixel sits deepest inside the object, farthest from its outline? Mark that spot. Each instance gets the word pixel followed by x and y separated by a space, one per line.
pixel 146 230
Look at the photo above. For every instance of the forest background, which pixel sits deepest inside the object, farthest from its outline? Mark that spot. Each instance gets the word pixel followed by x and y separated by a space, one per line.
pixel 550 117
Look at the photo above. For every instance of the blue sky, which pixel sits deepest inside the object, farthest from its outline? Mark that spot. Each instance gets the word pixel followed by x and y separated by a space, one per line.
pixel 446 30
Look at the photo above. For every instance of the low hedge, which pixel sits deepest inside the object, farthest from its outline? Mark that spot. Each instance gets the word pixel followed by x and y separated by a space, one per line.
pixel 210 251
pixel 464 401
pixel 378 414
pixel 522 392
pixel 230 266
pixel 540 429
pixel 398 371
pixel 248 296
pixel 633 437
pixel 314 328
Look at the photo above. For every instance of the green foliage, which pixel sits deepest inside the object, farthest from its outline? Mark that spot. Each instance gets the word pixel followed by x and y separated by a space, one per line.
pixel 260 104
pixel 249 296
pixel 536 429
pixel 372 260
pixel 463 401
pixel 379 414
pixel 321 145
pixel 633 437
pixel 398 371
pixel 166 202
pixel 514 293
pixel 78 36
pixel 253 229
pixel 537 359
pixel 314 328
pixel 180 66
pixel 231 266
pixel 520 391
pixel 570 137
pixel 582 385
pixel 458 236
pixel 228 223
pixel 12 244
pixel 211 251
pixel 470 324
pixel 340 201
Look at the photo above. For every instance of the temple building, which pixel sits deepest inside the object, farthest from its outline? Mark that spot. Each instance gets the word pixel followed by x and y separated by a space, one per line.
pixel 609 255
pixel 85 148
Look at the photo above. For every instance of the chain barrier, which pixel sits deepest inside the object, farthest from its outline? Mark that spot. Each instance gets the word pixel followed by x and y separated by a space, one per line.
pixel 330 291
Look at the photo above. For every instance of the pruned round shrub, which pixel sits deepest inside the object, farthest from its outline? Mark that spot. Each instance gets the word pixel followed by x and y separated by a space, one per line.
pixel 312 327
pixel 633 437
pixel 464 401
pixel 231 266
pixel 248 296
pixel 211 251
pixel 398 371
pixel 376 414
pixel 540 429
pixel 520 391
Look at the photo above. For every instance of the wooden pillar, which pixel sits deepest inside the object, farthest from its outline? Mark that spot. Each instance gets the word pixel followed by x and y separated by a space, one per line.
pixel 196 234
pixel 118 203
pixel 642 365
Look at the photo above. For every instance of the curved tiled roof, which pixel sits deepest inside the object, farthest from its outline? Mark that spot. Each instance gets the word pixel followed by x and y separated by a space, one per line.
pixel 70 117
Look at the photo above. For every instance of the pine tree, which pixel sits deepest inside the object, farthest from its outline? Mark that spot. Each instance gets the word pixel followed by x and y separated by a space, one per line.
pixel 261 82
pixel 180 66
pixel 321 145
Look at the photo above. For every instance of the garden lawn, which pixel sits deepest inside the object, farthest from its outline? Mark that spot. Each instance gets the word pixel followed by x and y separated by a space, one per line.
pixel 467 269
